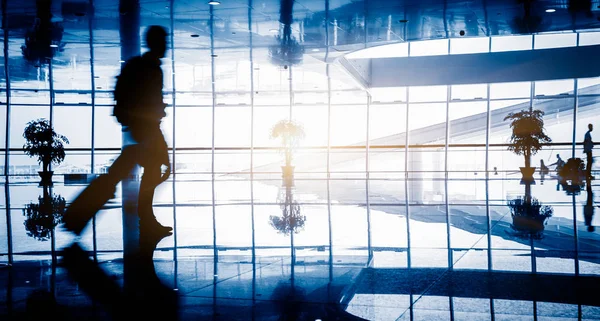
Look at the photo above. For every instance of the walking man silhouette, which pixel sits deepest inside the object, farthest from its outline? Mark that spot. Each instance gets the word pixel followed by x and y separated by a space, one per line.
pixel 588 145
pixel 139 108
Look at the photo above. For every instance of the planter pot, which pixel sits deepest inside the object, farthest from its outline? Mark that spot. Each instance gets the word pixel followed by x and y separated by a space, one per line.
pixel 527 173
pixel 46 178
pixel 527 224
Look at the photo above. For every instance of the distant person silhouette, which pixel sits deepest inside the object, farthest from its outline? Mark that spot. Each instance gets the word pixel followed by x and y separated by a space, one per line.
pixel 559 163
pixel 588 145
pixel 544 170
pixel 588 208
pixel 139 108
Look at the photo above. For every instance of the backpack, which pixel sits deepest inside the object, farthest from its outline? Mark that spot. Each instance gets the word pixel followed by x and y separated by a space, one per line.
pixel 124 87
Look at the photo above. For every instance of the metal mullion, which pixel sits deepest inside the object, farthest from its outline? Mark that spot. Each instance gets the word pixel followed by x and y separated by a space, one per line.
pixel 575 234
pixel 7 137
pixel 447 206
pixel 406 173
pixel 214 104
pixel 369 245
pixel 251 53
pixel 487 172
pixel 173 142
pixel 328 165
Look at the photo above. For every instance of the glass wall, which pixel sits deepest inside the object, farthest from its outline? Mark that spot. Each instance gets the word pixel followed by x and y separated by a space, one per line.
pixel 416 176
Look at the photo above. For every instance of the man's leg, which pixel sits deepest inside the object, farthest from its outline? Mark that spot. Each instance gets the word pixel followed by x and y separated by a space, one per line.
pixel 155 155
pixel 150 180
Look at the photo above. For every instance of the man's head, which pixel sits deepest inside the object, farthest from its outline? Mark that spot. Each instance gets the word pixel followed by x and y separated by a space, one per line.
pixel 590 127
pixel 156 40
pixel 558 156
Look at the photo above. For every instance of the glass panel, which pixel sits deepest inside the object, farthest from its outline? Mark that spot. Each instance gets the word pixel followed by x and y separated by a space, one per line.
pixel 478 91
pixel 19 117
pixel 554 87
pixel 589 38
pixel 108 130
pixel 388 94
pixel 194 127
pixel 314 119
pixel 428 93
pixel 348 125
pixel 469 45
pixel 510 90
pixel 429 48
pixel 511 43
pixel 232 126
pixel 558 40
pixel 75 124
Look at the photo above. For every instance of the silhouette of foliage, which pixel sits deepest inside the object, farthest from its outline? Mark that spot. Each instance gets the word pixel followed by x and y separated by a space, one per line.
pixel 44 39
pixel 290 134
pixel 529 215
pixel 291 221
pixel 43 142
pixel 528 134
pixel 42 217
pixel 287 52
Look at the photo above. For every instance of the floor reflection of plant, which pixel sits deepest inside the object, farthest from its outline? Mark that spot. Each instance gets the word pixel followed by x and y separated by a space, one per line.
pixel 291 220
pixel 529 216
pixel 43 216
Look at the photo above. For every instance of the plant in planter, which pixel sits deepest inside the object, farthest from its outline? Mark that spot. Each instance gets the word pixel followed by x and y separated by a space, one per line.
pixel 43 142
pixel 290 134
pixel 527 137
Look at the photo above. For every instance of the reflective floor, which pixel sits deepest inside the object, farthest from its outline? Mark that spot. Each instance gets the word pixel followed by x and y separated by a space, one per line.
pixel 422 248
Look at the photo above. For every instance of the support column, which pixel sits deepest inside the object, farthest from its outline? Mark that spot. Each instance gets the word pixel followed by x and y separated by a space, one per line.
pixel 129 31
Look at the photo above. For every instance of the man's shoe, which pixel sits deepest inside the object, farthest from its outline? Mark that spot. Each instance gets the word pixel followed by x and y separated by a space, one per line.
pixel 154 227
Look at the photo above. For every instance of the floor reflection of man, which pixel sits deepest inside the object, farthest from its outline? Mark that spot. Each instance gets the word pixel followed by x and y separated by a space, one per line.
pixel 588 208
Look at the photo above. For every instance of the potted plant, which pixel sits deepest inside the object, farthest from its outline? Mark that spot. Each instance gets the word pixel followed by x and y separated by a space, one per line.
pixel 43 142
pixel 527 137
pixel 290 134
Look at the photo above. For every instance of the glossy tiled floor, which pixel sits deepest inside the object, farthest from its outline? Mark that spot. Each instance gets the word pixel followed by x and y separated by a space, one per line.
pixel 448 253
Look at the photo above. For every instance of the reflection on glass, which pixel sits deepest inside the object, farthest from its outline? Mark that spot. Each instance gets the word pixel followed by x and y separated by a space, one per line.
pixel 529 216
pixel 288 51
pixel 571 176
pixel 44 39
pixel 588 208
pixel 43 216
